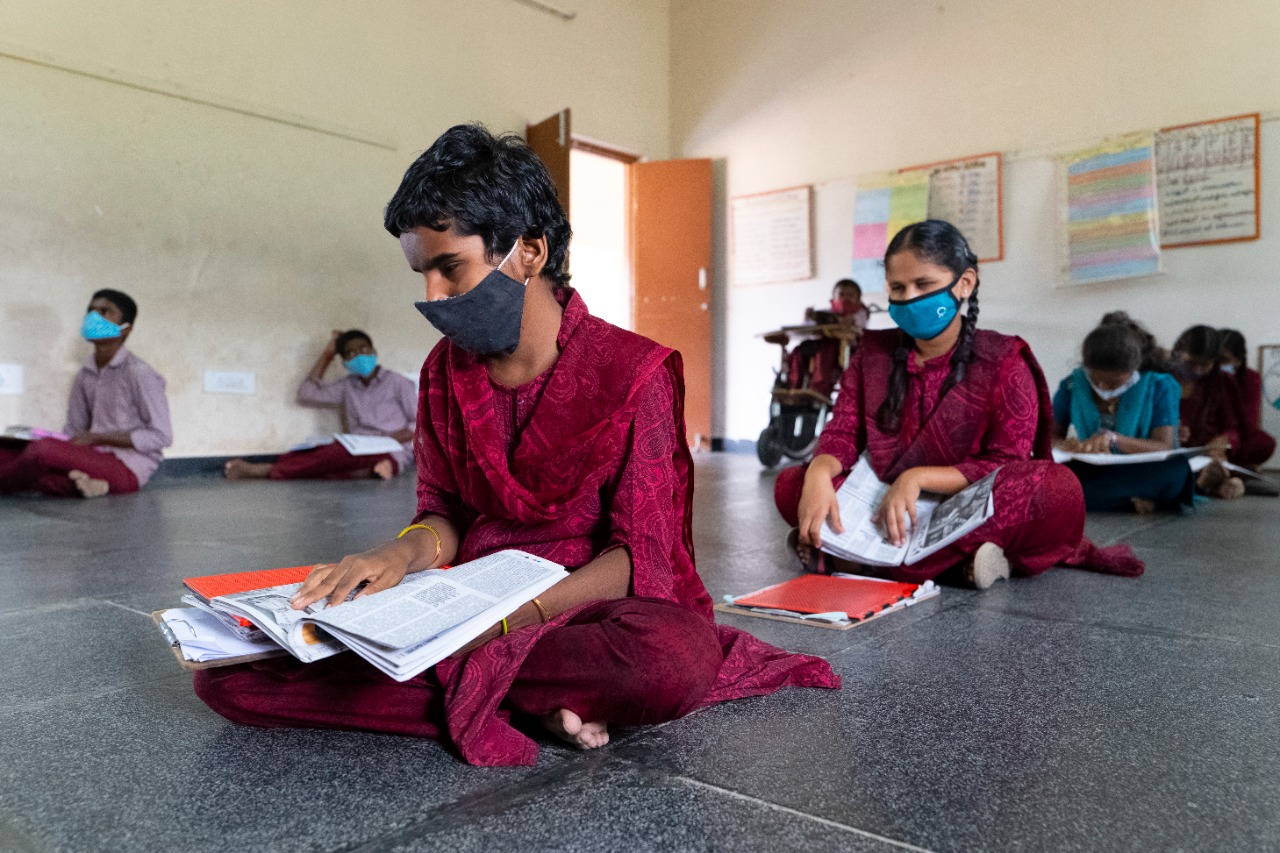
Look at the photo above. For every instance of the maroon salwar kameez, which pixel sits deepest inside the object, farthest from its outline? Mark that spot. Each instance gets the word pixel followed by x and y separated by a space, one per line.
pixel 998 416
pixel 588 457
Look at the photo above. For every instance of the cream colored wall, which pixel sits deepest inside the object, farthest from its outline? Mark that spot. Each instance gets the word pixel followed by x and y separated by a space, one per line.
pixel 819 91
pixel 245 239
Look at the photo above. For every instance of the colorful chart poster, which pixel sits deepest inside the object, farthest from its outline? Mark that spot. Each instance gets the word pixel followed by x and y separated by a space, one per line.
pixel 884 205
pixel 1111 222
pixel 1207 175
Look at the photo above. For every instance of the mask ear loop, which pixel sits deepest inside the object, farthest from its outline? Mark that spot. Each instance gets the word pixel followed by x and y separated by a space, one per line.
pixel 511 252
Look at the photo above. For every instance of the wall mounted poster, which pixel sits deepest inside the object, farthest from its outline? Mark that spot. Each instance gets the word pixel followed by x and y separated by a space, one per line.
pixel 773 236
pixel 967 193
pixel 1207 174
pixel 1110 201
pixel 884 205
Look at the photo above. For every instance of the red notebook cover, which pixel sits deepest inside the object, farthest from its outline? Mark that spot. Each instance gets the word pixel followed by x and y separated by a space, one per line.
pixel 209 586
pixel 823 594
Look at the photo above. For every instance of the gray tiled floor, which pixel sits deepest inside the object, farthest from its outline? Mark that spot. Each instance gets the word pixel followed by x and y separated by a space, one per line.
pixel 1073 711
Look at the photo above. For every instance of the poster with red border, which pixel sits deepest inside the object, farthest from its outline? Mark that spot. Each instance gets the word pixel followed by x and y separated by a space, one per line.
pixel 1207 176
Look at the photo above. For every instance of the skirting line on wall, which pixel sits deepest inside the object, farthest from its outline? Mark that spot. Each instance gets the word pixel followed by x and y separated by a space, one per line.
pixel 182 93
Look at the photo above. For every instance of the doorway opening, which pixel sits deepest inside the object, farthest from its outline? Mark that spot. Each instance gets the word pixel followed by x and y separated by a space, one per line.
pixel 600 258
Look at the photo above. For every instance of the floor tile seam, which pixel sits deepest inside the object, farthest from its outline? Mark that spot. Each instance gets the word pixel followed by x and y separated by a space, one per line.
pixel 778 807
pixel 51 607
pixel 889 632
pixel 1120 628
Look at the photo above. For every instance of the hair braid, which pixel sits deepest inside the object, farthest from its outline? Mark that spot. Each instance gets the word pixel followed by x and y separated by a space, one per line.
pixel 964 346
pixel 889 415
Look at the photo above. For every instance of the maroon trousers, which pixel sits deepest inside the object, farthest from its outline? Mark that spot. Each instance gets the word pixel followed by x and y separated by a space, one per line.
pixel 327 462
pixel 1038 520
pixel 43 466
pixel 633 661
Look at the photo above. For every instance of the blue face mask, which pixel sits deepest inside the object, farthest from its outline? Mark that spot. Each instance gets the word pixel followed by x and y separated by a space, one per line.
pixel 1229 369
pixel 95 327
pixel 926 317
pixel 361 365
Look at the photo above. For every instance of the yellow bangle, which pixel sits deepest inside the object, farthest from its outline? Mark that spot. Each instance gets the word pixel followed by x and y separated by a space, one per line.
pixel 432 531
pixel 504 627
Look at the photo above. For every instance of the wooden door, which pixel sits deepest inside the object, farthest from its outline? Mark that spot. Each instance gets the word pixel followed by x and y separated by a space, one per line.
pixel 671 269
pixel 551 140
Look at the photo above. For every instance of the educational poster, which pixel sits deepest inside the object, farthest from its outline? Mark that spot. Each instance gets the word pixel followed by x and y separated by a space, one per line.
pixel 1110 210
pixel 967 193
pixel 773 237
pixel 1207 174
pixel 884 205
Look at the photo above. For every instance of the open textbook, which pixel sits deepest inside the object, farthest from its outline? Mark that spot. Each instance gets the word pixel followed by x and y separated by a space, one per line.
pixel 356 445
pixel 1123 458
pixel 939 521
pixel 408 628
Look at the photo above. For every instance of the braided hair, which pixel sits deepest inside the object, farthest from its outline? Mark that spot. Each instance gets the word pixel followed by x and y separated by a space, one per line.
pixel 936 242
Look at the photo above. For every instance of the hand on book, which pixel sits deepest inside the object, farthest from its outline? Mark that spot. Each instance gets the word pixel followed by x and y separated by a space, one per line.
pixel 379 568
pixel 899 504
pixel 818 500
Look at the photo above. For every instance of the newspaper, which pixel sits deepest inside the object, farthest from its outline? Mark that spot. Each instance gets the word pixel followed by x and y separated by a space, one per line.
pixel 939 521
pixel 410 627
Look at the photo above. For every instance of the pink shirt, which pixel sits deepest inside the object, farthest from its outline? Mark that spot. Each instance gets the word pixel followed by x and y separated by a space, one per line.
pixel 125 396
pixel 388 404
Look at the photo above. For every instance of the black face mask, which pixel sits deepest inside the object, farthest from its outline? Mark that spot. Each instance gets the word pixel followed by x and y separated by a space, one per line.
pixel 486 319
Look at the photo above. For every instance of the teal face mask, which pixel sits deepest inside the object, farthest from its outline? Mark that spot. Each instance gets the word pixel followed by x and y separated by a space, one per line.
pixel 925 317
pixel 95 327
pixel 361 365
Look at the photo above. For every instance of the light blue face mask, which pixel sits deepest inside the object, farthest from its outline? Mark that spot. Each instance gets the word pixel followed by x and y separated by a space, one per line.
pixel 1229 369
pixel 926 317
pixel 361 365
pixel 95 327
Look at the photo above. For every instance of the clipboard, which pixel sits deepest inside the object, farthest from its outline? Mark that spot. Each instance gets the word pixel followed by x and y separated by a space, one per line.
pixel 191 665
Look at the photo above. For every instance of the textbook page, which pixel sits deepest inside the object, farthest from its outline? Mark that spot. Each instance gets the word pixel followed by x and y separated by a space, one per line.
pixel 368 445
pixel 270 611
pixel 432 614
pixel 940 524
pixel 862 541
pixel 1061 456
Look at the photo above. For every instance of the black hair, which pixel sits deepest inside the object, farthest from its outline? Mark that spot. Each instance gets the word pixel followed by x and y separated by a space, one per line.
pixel 340 344
pixel 1231 342
pixel 938 242
pixel 1201 342
pixel 846 282
pixel 123 301
pixel 1154 357
pixel 480 184
pixel 1112 346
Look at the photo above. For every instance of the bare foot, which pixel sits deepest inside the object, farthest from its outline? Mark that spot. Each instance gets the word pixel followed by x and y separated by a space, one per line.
pixel 240 469
pixel 568 726
pixel 384 470
pixel 87 486
pixel 1142 506
pixel 1231 489
pixel 989 565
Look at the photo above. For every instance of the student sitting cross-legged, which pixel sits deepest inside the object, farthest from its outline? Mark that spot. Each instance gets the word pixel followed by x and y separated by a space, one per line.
pixel 936 405
pixel 545 429
pixel 117 418
pixel 1116 408
pixel 374 401
pixel 1257 445
pixel 1212 415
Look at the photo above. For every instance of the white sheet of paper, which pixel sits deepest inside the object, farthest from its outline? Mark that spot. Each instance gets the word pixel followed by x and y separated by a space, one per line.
pixel 368 445
pixel 1123 458
pixel 202 638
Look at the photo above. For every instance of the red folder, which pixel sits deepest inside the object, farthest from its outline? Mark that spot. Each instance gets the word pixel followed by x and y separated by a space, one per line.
pixel 858 598
pixel 210 586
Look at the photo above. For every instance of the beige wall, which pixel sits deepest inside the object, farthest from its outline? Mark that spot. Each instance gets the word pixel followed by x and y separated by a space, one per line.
pixel 819 91
pixel 245 239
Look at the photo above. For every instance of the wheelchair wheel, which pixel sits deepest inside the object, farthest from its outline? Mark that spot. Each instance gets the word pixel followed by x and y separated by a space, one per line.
pixel 769 447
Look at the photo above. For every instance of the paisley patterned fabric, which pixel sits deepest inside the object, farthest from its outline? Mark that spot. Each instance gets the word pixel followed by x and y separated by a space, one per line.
pixel 998 416
pixel 590 456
